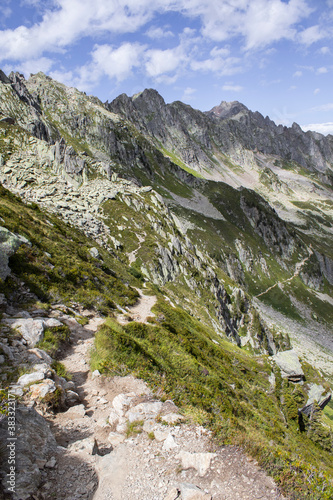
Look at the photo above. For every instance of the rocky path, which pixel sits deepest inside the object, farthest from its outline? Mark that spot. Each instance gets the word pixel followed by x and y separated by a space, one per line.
pixel 141 311
pixel 119 442
pixel 298 268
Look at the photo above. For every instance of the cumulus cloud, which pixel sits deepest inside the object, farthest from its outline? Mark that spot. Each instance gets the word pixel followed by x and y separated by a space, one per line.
pixel 219 62
pixel 117 63
pixel 164 61
pixel 156 33
pixel 258 22
pixel 322 128
pixel 43 64
pixel 297 74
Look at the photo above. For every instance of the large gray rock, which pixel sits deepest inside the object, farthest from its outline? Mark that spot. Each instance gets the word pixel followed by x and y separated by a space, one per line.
pixel 30 378
pixel 35 443
pixel 9 243
pixel 198 461
pixel 289 365
pixel 32 329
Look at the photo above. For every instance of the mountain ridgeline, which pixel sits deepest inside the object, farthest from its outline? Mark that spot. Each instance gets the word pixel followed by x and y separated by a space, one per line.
pixel 224 216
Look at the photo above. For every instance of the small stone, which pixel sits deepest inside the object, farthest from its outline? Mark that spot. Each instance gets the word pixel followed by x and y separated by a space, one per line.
pixel 95 374
pixel 115 438
pixel 161 435
pixel 172 418
pixel 51 463
pixel 169 443
pixel 75 412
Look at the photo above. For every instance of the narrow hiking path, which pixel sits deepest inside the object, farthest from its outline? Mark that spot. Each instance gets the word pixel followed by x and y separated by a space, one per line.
pixel 120 442
pixel 298 268
pixel 141 311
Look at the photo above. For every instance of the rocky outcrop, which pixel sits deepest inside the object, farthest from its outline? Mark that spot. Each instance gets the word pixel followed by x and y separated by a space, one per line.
pixel 289 365
pixel 9 243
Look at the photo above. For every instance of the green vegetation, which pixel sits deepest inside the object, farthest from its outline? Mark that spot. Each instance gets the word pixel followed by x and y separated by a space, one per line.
pixel 60 370
pixel 53 339
pixel 57 266
pixel 223 387
pixel 134 428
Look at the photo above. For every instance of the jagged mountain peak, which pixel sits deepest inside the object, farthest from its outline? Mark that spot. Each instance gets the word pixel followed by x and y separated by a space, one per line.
pixel 227 109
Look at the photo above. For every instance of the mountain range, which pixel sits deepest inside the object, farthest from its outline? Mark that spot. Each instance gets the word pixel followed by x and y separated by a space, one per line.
pixel 223 216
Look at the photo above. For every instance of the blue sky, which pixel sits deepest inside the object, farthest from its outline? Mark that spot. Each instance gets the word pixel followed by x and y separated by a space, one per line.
pixel 275 56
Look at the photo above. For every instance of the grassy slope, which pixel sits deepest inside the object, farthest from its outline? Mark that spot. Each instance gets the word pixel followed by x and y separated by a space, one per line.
pixel 221 386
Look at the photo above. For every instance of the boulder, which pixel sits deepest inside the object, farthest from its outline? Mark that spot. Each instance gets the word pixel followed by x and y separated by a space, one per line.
pixel 32 329
pixel 122 401
pixel 187 491
pixel 30 378
pixel 289 365
pixel 115 438
pixel 40 354
pixel 9 243
pixel 198 461
pixel 39 391
pixel 144 411
pixel 35 444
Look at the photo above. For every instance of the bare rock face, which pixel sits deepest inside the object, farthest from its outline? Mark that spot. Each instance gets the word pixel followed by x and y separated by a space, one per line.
pixel 34 445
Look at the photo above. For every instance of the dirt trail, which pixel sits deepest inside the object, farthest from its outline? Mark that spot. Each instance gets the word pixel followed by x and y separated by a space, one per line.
pixel 298 268
pixel 141 310
pixel 100 459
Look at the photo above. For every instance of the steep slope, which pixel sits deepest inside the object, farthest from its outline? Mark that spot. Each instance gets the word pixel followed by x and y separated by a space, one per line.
pixel 233 281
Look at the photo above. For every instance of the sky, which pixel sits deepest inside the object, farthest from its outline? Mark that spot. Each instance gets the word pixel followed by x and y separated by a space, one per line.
pixel 274 56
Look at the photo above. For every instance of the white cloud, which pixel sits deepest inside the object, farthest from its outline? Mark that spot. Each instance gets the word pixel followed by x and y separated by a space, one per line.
pixel 268 22
pixel 297 74
pixel 65 77
pixel 188 94
pixel 117 63
pixel 219 62
pixel 324 50
pixel 232 88
pixel 322 70
pixel 311 35
pixel 43 64
pixel 322 128
pixel 156 33
pixel 316 91
pixel 164 61
pixel 323 107
pixel 258 22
